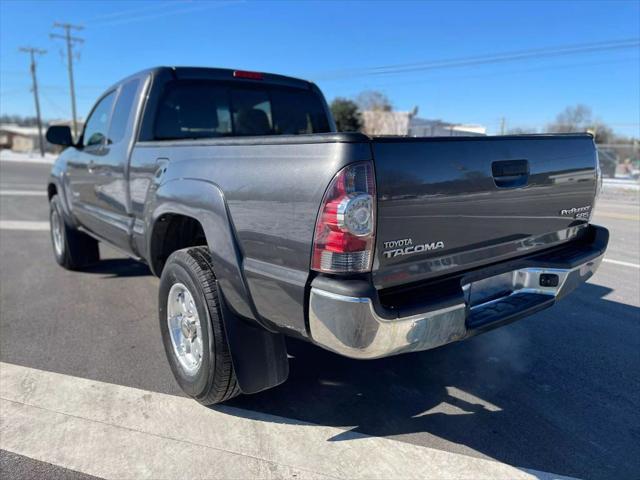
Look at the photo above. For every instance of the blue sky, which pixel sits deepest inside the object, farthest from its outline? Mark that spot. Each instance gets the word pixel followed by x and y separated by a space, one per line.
pixel 322 40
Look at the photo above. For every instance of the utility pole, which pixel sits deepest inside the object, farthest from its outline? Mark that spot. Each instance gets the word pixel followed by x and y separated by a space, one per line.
pixel 502 125
pixel 32 52
pixel 67 27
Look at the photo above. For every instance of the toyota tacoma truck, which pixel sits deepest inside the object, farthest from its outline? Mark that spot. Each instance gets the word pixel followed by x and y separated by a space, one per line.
pixel 263 222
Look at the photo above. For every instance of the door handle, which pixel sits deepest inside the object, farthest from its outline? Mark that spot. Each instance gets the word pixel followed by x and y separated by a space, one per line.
pixel 510 173
pixel 161 168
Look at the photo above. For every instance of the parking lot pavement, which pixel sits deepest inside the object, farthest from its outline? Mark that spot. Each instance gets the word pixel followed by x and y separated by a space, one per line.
pixel 85 387
pixel 18 466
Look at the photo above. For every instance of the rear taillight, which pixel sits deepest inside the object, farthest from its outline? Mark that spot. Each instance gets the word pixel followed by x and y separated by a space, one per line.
pixel 345 229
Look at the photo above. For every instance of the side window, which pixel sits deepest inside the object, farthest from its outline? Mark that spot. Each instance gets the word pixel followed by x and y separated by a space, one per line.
pixel 193 110
pixel 123 111
pixel 95 131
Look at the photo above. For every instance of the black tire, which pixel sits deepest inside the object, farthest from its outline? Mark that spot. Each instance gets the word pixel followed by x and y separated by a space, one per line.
pixel 215 379
pixel 76 249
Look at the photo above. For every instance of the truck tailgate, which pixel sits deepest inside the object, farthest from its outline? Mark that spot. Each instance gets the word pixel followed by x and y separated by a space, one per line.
pixel 452 204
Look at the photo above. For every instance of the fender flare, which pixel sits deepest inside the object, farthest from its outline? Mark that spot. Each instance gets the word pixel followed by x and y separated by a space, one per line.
pixel 60 180
pixel 258 351
pixel 57 180
pixel 205 202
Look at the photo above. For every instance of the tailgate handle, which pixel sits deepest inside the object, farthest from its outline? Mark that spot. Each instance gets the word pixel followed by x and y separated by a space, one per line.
pixel 510 173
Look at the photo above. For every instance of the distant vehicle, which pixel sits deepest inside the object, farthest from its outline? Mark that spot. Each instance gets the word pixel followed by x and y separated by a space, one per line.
pixel 263 222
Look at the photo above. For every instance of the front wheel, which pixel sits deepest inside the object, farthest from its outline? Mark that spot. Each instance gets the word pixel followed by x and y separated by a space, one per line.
pixel 192 328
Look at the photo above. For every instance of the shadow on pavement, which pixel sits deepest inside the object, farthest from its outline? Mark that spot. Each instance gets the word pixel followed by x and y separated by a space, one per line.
pixel 118 268
pixel 545 393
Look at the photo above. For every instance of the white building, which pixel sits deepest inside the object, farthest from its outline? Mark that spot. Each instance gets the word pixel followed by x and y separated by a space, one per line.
pixel 380 122
pixel 421 127
pixel 19 139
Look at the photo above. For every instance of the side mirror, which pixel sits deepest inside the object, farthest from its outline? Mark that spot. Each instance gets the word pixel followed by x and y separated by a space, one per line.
pixel 59 135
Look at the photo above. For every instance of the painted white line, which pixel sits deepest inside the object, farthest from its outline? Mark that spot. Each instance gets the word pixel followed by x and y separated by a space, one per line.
pixel 30 161
pixel 23 225
pixel 21 186
pixel 620 262
pixel 26 193
pixel 620 184
pixel 618 216
pixel 614 181
pixel 113 431
pixel 26 158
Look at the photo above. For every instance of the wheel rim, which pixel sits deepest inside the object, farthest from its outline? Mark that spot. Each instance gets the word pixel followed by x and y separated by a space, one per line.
pixel 57 232
pixel 184 328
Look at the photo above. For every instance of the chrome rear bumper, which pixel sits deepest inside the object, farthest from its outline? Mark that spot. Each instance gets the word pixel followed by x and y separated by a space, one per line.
pixel 352 326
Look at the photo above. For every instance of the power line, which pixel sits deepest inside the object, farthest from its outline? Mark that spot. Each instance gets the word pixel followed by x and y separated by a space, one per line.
pixel 127 12
pixel 14 91
pixel 494 73
pixel 67 27
pixel 54 105
pixel 12 72
pixel 154 13
pixel 485 59
pixel 32 53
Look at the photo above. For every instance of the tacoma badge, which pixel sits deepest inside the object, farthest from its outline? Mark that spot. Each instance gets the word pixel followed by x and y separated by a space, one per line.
pixel 405 246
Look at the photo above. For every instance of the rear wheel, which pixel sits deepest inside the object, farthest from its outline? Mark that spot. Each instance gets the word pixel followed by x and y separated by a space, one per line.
pixel 192 329
pixel 72 249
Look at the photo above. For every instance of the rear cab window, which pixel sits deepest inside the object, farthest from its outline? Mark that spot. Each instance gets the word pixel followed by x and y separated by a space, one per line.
pixel 191 109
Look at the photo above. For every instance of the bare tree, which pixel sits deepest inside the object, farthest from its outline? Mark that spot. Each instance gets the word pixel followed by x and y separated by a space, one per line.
pixel 572 119
pixel 378 115
pixel 522 130
pixel 580 119
pixel 372 100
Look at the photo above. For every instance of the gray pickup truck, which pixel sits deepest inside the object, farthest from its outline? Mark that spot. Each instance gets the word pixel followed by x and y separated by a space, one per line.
pixel 264 222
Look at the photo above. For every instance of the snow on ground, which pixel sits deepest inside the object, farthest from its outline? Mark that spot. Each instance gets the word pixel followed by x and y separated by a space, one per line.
pixel 30 157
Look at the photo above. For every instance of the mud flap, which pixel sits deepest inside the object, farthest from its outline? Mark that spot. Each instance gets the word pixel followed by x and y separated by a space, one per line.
pixel 259 357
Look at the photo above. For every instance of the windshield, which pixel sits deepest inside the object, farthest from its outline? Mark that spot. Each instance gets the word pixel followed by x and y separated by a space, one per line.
pixel 208 109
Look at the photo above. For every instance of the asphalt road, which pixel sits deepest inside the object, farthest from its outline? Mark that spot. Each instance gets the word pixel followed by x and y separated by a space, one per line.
pixel 557 392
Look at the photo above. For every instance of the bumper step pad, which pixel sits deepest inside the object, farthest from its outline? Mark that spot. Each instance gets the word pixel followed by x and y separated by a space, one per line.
pixel 506 310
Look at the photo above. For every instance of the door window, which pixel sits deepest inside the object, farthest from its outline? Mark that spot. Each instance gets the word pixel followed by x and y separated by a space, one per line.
pixel 95 131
